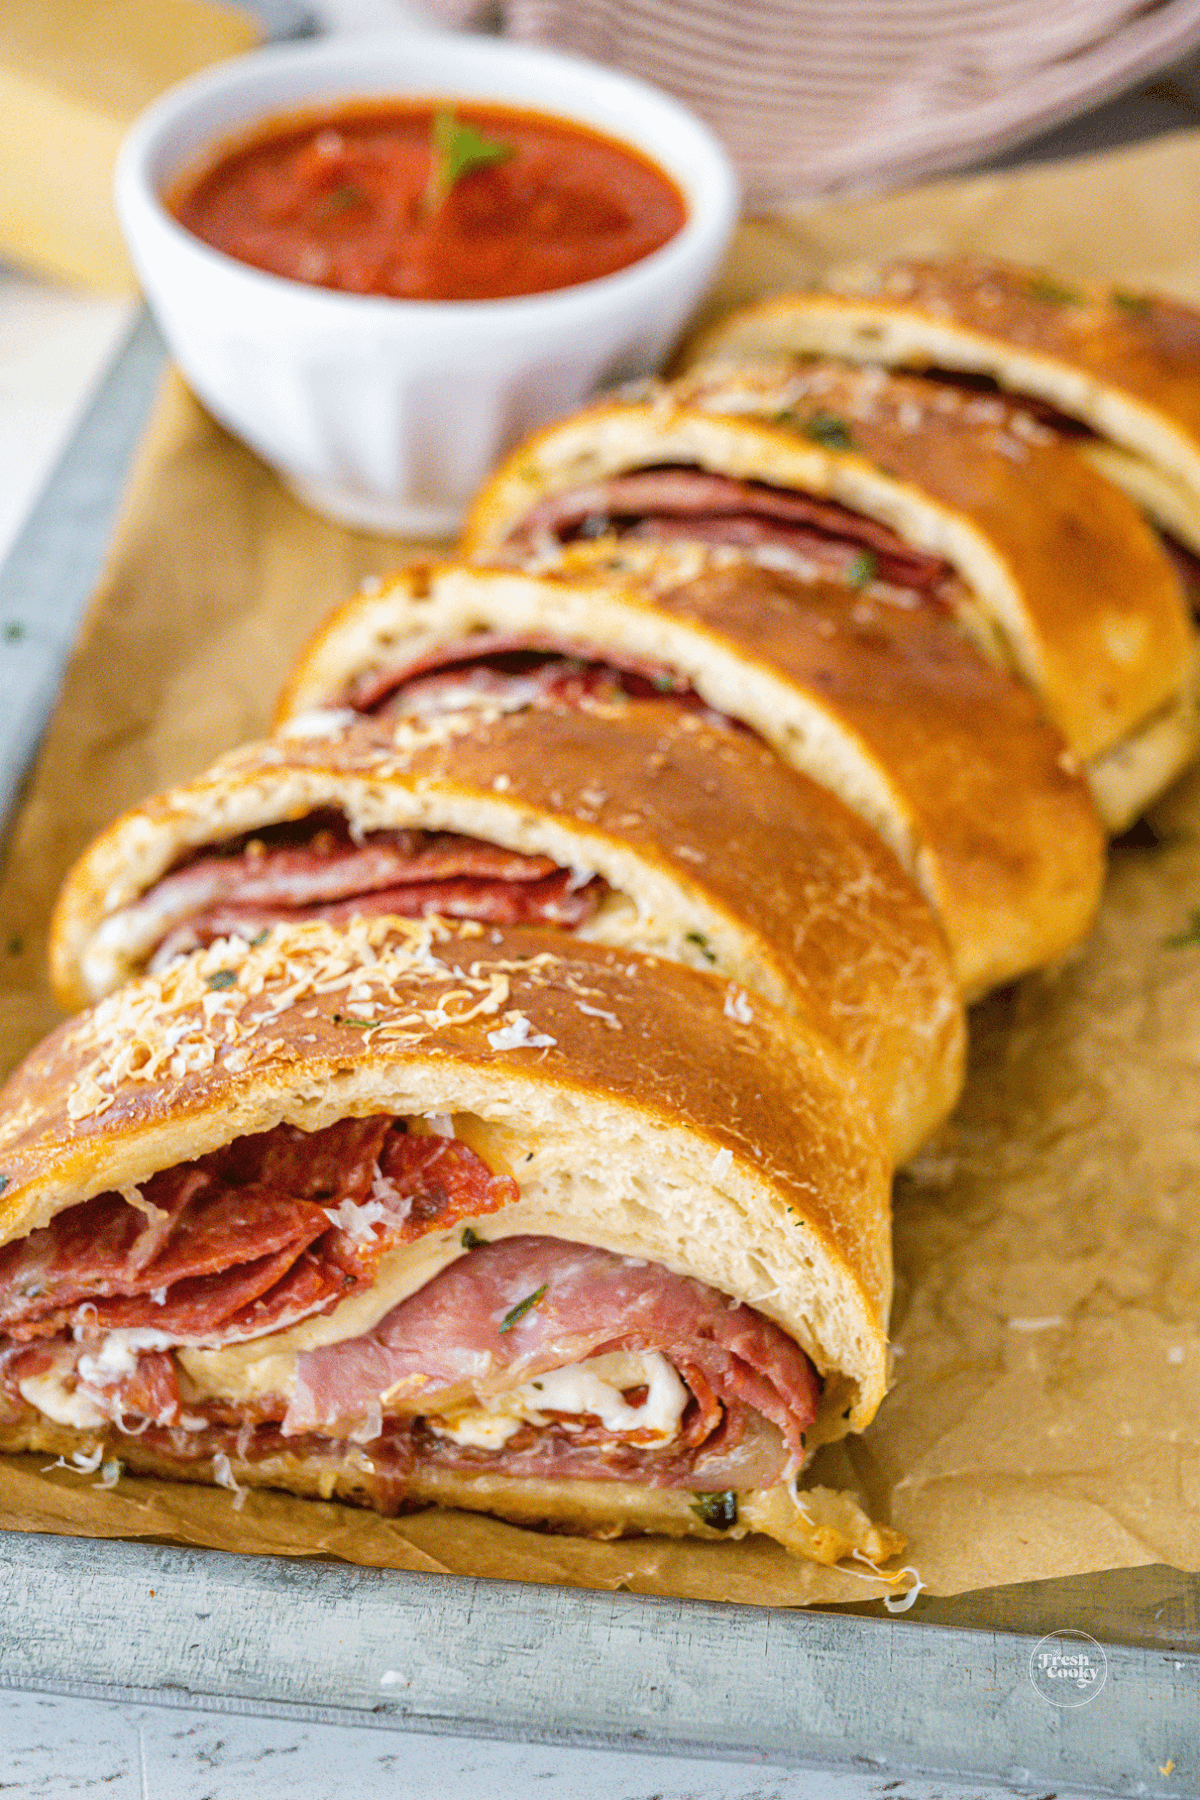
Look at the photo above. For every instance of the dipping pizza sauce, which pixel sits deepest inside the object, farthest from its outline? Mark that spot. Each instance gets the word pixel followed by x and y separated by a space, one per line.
pixel 375 199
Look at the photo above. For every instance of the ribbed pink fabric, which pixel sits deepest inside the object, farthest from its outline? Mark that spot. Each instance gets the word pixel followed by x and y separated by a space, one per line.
pixel 815 96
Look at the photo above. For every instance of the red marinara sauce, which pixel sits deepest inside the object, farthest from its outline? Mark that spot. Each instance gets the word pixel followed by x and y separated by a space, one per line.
pixel 339 201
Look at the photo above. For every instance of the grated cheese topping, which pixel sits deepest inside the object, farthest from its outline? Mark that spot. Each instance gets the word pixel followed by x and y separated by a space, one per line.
pixel 175 1024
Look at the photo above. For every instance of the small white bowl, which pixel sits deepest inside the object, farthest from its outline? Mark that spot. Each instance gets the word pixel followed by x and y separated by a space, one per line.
pixel 389 413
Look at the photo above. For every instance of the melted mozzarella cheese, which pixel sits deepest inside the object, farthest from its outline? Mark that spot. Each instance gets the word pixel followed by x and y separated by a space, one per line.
pixel 596 1387
pixel 117 1356
pixel 66 1406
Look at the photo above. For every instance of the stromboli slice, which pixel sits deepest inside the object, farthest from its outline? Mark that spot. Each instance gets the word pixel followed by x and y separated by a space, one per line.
pixel 244 1200
pixel 884 703
pixel 676 834
pixel 1125 366
pixel 1054 571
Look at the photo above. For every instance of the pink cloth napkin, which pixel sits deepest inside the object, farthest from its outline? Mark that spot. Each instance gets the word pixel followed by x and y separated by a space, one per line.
pixel 817 96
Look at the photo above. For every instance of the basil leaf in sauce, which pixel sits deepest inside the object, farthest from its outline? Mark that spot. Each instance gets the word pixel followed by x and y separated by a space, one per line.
pixel 456 149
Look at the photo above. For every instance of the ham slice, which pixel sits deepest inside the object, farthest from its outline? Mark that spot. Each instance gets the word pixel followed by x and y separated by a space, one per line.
pixel 717 509
pixel 509 1311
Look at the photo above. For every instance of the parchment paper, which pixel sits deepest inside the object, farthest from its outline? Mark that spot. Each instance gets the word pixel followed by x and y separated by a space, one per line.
pixel 1045 1416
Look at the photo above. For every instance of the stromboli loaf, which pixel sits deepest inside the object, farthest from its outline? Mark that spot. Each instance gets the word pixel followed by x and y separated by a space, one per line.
pixel 1053 570
pixel 884 703
pixel 708 850
pixel 344 1312
pixel 1124 365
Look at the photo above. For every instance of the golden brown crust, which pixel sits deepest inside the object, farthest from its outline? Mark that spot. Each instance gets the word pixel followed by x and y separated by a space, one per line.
pixel 1126 364
pixel 735 860
pixel 1083 601
pixel 827 1527
pixel 891 707
pixel 749 1137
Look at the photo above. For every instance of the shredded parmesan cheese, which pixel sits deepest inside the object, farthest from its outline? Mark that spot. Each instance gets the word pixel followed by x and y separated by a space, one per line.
pixel 518 1034
pixel 737 1006
pixel 224 1477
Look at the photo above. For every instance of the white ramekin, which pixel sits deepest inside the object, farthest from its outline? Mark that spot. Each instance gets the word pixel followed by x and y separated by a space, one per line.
pixel 389 413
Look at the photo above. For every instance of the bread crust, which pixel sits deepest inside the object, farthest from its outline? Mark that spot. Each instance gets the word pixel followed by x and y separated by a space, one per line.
pixel 899 714
pixel 735 861
pixel 827 1527
pixel 1126 365
pixel 749 1140
pixel 1073 585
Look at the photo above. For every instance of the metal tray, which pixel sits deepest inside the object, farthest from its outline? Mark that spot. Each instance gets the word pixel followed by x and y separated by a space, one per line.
pixel 946 1689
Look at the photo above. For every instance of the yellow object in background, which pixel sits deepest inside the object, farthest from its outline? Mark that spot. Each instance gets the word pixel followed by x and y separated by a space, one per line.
pixel 73 75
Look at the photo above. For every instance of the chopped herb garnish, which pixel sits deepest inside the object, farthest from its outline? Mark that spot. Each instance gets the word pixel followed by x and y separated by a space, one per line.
pixel 342 199
pixel 222 978
pixel 15 945
pixel 1189 935
pixel 1131 303
pixel 702 944
pixel 4 1181
pixel 14 631
pixel 262 937
pixel 720 1511
pixel 522 1307
pixel 471 1240
pixel 456 149
pixel 663 681
pixel 861 569
pixel 358 1024
pixel 824 428
pixel 1055 293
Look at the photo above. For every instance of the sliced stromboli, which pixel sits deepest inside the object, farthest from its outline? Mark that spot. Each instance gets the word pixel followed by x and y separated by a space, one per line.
pixel 1121 368
pixel 629 822
pixel 411 1212
pixel 959 497
pixel 884 702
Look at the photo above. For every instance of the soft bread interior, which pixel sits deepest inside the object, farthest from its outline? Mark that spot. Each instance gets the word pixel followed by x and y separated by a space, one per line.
pixel 415 612
pixel 1160 494
pixel 818 1523
pixel 733 420
pixel 876 330
pixel 96 947
pixel 614 441
pixel 1128 777
pixel 595 1172
pixel 411 615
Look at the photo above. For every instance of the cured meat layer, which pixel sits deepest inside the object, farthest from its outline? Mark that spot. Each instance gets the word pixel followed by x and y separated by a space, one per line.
pixel 490 671
pixel 244 1242
pixel 315 868
pixel 578 1302
pixel 717 509
pixel 254 1236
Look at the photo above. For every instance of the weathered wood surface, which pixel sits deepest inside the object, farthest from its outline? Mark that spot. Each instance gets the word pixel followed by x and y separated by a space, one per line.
pixel 435 1654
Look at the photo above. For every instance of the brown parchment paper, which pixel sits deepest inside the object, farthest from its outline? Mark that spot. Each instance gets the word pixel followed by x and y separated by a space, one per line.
pixel 1045 1415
